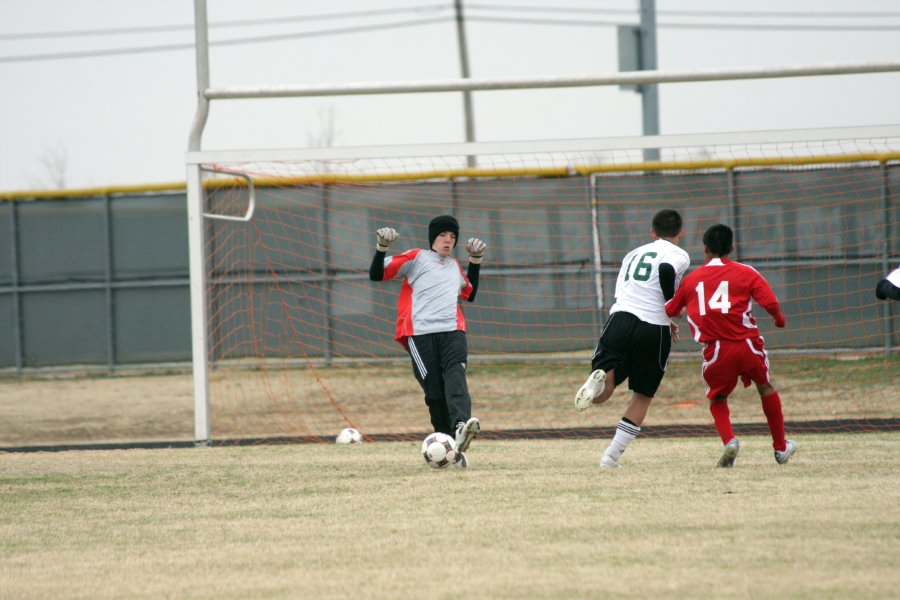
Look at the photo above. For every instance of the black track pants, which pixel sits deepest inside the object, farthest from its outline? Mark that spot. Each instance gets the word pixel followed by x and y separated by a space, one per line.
pixel 439 364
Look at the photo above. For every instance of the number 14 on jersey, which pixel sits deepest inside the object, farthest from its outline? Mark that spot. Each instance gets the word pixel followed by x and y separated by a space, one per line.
pixel 718 301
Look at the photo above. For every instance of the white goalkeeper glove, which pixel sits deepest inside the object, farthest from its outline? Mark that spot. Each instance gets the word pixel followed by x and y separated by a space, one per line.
pixel 386 237
pixel 475 248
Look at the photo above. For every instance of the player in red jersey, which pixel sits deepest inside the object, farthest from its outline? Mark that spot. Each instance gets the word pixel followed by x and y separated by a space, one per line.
pixel 719 297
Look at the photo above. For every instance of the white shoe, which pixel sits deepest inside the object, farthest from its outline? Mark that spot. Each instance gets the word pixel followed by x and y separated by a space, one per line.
pixel 466 432
pixel 608 462
pixel 729 453
pixel 591 389
pixel 782 456
pixel 461 461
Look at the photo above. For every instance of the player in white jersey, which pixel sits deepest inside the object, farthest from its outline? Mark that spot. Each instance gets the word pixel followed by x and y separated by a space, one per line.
pixel 430 322
pixel 889 287
pixel 638 336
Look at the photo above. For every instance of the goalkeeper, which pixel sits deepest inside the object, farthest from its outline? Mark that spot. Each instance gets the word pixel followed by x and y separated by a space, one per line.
pixel 430 322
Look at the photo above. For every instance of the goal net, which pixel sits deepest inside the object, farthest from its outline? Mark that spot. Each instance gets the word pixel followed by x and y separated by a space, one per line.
pixel 299 342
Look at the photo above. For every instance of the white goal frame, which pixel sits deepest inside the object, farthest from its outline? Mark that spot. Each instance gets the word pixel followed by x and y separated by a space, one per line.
pixel 196 157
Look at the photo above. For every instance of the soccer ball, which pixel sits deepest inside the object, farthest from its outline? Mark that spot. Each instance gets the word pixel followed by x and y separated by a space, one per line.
pixel 439 450
pixel 349 436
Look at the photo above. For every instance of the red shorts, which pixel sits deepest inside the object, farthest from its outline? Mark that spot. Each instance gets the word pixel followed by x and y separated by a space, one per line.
pixel 725 361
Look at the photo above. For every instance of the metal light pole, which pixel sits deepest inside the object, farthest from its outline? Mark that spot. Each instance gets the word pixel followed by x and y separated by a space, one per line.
pixel 464 72
pixel 649 92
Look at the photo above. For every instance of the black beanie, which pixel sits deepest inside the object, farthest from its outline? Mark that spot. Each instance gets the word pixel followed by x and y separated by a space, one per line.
pixel 440 224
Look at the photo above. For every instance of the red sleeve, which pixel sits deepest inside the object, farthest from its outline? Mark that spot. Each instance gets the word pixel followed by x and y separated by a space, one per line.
pixel 466 290
pixel 678 302
pixel 762 294
pixel 398 260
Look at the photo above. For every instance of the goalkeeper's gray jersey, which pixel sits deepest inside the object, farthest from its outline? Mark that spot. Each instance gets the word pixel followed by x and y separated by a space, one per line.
pixel 637 288
pixel 429 296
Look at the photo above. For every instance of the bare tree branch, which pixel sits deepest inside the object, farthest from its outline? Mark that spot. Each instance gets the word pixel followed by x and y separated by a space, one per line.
pixel 54 162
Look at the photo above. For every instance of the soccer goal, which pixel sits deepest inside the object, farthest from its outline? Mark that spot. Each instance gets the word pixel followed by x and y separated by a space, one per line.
pixel 292 341
pixel 295 342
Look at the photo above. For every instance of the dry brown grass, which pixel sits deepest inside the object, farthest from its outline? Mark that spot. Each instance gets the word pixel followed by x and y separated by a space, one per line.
pixel 75 408
pixel 529 519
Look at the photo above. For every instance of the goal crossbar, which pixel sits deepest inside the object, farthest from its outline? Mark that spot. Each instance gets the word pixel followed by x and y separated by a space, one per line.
pixel 199 157
pixel 562 81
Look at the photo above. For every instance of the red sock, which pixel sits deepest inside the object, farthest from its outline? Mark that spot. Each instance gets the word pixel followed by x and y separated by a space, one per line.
pixel 771 405
pixel 722 418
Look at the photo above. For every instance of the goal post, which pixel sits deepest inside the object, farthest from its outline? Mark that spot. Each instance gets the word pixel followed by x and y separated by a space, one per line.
pixel 196 267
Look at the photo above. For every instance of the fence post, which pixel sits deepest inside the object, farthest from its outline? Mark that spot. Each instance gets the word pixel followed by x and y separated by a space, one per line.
pixel 110 297
pixel 329 273
pixel 16 291
pixel 888 306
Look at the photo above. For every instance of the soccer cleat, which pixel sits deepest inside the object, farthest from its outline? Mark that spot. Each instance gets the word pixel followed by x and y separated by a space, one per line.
pixel 461 461
pixel 591 389
pixel 729 453
pixel 466 432
pixel 782 456
pixel 608 462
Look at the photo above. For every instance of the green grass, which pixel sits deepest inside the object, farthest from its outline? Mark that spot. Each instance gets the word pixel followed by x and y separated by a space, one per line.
pixel 530 519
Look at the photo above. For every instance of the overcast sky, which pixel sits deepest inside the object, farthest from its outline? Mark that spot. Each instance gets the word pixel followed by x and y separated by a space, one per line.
pixel 79 101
